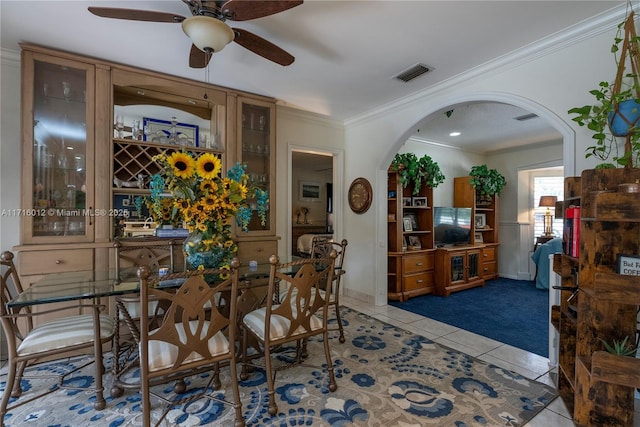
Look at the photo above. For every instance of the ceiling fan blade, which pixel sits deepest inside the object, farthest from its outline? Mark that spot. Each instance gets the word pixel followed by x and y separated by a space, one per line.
pixel 244 10
pixel 135 14
pixel 262 47
pixel 198 58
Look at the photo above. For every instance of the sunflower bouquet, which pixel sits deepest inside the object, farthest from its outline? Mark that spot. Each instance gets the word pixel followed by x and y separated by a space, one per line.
pixel 190 190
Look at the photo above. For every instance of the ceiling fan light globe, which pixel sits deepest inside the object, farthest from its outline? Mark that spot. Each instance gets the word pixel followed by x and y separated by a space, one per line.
pixel 207 33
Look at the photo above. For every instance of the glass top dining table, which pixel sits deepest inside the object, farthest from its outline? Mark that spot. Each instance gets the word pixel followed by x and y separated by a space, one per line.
pixel 69 286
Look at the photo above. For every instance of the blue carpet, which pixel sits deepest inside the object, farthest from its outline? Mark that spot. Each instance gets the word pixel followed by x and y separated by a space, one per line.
pixel 513 312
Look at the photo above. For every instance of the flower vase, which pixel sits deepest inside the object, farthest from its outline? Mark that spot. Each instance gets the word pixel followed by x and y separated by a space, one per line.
pixel 200 253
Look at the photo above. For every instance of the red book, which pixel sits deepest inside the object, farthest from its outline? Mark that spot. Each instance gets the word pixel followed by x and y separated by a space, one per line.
pixel 572 222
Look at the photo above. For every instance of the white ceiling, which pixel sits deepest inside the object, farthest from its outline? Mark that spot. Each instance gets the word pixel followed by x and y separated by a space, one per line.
pixel 347 52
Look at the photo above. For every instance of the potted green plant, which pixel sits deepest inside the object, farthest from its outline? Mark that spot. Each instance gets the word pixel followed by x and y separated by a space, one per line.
pixel 620 348
pixel 616 111
pixel 488 182
pixel 417 171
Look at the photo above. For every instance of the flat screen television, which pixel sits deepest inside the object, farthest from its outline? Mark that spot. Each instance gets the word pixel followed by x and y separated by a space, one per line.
pixel 451 226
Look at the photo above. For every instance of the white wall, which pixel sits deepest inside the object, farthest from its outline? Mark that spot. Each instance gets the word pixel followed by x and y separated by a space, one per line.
pixel 547 79
pixel 310 133
pixel 10 156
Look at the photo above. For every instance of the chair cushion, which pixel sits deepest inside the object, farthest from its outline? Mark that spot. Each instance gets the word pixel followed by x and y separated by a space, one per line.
pixel 163 354
pixel 280 325
pixel 64 332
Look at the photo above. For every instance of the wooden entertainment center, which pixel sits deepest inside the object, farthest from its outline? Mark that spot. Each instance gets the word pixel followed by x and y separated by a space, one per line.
pixel 415 265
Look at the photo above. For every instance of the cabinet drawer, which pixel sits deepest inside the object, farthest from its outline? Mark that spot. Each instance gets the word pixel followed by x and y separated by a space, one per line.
pixel 417 263
pixel 418 281
pixel 257 251
pixel 488 254
pixel 42 262
pixel 488 268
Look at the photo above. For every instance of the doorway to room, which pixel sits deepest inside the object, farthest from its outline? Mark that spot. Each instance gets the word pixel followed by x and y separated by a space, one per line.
pixel 312 201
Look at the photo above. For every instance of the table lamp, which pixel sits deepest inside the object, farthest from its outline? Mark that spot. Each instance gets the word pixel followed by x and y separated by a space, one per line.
pixel 548 202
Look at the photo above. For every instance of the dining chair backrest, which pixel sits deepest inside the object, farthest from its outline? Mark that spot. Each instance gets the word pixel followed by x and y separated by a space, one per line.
pixel 304 301
pixel 132 253
pixel 195 330
pixel 10 287
pixel 322 248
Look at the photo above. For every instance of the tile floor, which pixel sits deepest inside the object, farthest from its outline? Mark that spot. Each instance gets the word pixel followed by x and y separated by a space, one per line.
pixel 527 364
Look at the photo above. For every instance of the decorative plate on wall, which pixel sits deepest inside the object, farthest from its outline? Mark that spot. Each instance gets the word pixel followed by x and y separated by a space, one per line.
pixel 360 195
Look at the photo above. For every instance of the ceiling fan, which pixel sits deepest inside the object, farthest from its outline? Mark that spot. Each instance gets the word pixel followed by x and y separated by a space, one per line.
pixel 208 30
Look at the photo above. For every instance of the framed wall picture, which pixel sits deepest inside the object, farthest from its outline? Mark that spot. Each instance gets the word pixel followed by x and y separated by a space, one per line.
pixel 628 265
pixel 406 224
pixel 414 243
pixel 419 201
pixel 480 220
pixel 309 191
pixel 161 131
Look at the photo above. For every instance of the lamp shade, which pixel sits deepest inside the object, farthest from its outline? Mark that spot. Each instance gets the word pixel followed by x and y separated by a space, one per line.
pixel 548 201
pixel 207 34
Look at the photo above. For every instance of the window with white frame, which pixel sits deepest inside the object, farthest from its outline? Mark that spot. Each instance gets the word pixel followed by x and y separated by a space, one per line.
pixel 546 186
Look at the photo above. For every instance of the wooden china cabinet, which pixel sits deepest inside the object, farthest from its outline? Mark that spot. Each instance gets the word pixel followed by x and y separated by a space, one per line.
pixel 82 172
pixel 255 147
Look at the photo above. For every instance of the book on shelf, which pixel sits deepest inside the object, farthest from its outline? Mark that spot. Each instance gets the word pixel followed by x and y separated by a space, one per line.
pixel 571 237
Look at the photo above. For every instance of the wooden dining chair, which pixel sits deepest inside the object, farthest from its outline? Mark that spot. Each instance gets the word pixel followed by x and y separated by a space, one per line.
pixel 302 313
pixel 321 249
pixel 195 333
pixel 27 346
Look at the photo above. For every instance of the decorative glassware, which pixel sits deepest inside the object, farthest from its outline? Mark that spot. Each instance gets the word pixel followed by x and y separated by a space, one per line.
pixel 66 91
pixel 119 126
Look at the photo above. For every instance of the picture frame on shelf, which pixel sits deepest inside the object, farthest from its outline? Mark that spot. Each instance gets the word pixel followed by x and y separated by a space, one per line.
pixel 628 265
pixel 404 243
pixel 419 201
pixel 406 224
pixel 480 220
pixel 478 238
pixel 406 201
pixel 414 220
pixel 309 191
pixel 414 243
pixel 156 130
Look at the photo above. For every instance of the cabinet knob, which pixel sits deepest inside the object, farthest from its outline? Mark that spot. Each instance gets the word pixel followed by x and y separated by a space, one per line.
pixel 419 264
pixel 419 280
pixel 58 261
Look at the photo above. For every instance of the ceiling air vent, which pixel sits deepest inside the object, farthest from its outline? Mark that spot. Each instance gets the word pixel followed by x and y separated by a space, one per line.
pixel 526 117
pixel 413 72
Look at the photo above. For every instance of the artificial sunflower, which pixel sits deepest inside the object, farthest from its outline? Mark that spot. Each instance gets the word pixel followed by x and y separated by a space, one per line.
pixel 182 164
pixel 208 166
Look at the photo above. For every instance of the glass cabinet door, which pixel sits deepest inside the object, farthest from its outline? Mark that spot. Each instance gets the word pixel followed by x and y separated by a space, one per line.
pixel 57 199
pixel 255 149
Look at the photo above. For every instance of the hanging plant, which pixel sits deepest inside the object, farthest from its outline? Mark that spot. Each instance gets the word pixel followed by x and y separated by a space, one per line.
pixel 616 112
pixel 488 182
pixel 417 171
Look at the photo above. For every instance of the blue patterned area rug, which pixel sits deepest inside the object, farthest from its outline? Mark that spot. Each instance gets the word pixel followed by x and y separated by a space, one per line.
pixel 386 377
